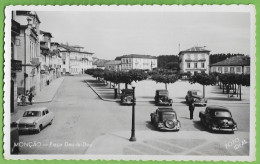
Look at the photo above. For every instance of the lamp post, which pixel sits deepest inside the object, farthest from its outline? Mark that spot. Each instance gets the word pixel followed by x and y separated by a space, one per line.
pixel 133 115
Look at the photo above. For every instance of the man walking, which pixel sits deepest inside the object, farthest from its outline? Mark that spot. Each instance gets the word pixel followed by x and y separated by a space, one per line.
pixel 191 109
pixel 30 97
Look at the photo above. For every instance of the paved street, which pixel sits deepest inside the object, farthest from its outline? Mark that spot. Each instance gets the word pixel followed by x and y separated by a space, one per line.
pixel 85 124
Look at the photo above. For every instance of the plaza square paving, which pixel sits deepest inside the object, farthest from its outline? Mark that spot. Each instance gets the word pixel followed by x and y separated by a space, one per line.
pixel 85 124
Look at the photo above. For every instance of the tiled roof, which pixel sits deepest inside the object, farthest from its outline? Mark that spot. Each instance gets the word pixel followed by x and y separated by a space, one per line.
pixel 72 49
pixel 195 49
pixel 234 61
pixel 139 56
pixel 45 33
pixel 113 62
pixel 100 62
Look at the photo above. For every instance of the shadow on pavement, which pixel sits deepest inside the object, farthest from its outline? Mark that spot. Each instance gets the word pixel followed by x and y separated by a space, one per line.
pixel 150 126
pixel 223 99
pixel 199 126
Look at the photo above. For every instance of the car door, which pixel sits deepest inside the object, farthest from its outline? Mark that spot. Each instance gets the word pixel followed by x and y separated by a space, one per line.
pixel 43 120
pixel 207 117
pixel 48 116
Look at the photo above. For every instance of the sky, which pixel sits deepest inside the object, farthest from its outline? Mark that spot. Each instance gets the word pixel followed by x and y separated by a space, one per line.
pixel 111 34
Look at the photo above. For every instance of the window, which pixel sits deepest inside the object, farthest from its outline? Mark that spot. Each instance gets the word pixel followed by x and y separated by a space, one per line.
pixel 195 65
pixel 202 65
pixel 188 65
pixel 64 62
pixel 247 70
pixel 238 69
pixel 232 70
pixel 225 69
pixel 220 69
pixel 46 111
pixel 43 113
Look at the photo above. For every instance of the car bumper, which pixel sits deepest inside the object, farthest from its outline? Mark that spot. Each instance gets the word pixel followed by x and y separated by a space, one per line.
pixel 28 129
pixel 126 103
pixel 224 129
pixel 164 103
pixel 176 128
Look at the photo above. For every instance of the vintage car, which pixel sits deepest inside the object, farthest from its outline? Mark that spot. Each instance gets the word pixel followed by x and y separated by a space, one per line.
pixel 162 98
pixel 165 119
pixel 126 97
pixel 218 118
pixel 196 97
pixel 14 142
pixel 35 119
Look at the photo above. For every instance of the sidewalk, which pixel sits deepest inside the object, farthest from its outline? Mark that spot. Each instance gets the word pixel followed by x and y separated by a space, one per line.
pixel 214 94
pixel 171 143
pixel 48 92
pixel 46 95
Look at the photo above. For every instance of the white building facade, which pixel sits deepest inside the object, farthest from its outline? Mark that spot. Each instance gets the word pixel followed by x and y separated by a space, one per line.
pixel 135 61
pixel 195 59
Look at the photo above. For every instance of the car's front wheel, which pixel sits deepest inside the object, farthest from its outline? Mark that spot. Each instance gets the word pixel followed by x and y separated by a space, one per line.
pixel 39 129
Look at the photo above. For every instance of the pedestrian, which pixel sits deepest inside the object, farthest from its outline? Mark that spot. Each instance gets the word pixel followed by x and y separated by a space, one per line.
pixel 191 108
pixel 30 97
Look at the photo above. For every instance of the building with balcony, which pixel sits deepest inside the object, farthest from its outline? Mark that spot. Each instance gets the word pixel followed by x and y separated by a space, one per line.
pixel 135 61
pixel 74 59
pixel 28 51
pixel 195 59
pixel 236 64
pixel 16 65
pixel 113 65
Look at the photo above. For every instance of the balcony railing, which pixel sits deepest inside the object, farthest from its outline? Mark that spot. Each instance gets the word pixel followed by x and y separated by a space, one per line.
pixel 16 65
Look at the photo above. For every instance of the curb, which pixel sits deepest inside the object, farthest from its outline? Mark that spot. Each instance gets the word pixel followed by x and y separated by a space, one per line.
pixel 180 102
pixel 38 102
pixel 100 95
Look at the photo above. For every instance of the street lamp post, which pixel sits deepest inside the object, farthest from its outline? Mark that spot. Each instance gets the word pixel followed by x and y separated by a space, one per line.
pixel 133 115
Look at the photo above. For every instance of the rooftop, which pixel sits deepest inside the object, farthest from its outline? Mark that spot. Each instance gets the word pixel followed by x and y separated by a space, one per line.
pixel 195 49
pixel 139 56
pixel 72 49
pixel 234 61
pixel 46 33
pixel 114 62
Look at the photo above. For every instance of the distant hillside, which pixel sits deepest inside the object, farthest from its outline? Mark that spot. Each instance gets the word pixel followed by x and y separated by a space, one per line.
pixel 214 58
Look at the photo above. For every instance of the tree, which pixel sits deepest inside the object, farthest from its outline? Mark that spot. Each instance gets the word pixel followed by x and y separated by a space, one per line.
pixel 203 79
pixel 132 75
pixel 164 78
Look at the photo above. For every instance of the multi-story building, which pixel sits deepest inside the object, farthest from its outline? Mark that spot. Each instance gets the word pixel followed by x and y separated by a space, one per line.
pixel 135 61
pixel 16 65
pixel 74 59
pixel 56 60
pixel 29 51
pixel 195 59
pixel 113 65
pixel 236 64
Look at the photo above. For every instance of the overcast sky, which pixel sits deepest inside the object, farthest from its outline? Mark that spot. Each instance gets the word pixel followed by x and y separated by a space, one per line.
pixel 111 34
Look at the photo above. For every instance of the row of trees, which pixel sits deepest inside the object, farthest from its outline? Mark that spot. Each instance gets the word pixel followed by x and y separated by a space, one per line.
pixel 227 81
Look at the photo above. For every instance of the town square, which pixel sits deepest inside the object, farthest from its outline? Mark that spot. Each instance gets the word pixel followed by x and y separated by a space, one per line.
pixel 121 89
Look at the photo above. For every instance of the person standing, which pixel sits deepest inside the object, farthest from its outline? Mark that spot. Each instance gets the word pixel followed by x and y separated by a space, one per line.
pixel 191 109
pixel 30 97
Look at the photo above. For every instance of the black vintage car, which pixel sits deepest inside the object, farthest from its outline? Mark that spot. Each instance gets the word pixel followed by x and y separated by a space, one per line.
pixel 165 119
pixel 218 118
pixel 126 97
pixel 196 97
pixel 162 98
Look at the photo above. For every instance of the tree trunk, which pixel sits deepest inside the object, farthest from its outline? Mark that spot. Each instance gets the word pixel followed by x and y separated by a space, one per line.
pixel 223 88
pixel 166 86
pixel 240 93
pixel 110 84
pixel 118 88
pixel 126 86
pixel 203 91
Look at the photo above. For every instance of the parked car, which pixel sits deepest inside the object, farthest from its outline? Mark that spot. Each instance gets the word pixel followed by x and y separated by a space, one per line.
pixel 218 118
pixel 35 119
pixel 14 142
pixel 165 119
pixel 195 96
pixel 126 97
pixel 162 98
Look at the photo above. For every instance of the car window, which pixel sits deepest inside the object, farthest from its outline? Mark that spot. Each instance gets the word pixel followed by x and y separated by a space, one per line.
pixel 222 114
pixel 32 114
pixel 43 113
pixel 46 111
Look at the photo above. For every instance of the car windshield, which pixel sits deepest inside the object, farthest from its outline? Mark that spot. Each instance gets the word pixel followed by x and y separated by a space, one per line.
pixel 169 116
pixel 32 114
pixel 196 93
pixel 127 92
pixel 163 93
pixel 222 114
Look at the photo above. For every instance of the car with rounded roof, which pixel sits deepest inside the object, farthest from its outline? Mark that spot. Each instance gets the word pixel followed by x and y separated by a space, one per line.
pixel 162 97
pixel 196 97
pixel 218 118
pixel 35 119
pixel 165 119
